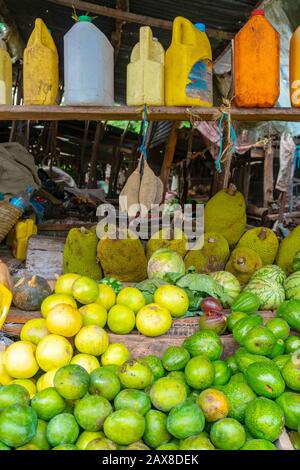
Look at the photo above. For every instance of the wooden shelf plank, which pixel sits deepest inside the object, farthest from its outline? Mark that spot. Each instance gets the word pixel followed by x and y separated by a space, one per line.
pixel 155 113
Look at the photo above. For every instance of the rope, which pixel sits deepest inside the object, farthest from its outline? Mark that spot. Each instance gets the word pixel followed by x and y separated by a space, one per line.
pixel 295 167
pixel 143 147
pixel 232 138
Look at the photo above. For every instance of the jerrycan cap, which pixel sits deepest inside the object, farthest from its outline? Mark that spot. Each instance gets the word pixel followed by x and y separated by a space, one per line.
pixel 85 18
pixel 201 27
pixel 258 12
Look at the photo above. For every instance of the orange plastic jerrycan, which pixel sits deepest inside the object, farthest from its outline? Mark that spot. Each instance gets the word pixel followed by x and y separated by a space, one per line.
pixel 40 67
pixel 257 63
pixel 295 69
pixel 188 70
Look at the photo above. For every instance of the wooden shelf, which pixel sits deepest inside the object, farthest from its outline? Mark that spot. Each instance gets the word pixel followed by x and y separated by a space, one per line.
pixel 155 113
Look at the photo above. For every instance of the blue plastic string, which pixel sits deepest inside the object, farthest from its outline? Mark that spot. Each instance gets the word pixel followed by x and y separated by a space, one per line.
pixel 143 148
pixel 233 139
pixel 296 165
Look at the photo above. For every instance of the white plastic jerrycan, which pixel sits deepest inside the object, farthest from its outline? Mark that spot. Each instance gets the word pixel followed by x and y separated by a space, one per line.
pixel 146 71
pixel 89 65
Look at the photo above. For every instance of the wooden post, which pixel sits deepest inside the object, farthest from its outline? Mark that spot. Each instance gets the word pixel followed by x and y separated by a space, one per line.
pixel 82 160
pixel 116 37
pixel 268 175
pixel 92 182
pixel 283 201
pixel 169 155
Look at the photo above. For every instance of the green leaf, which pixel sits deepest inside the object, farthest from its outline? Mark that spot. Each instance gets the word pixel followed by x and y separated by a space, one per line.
pixel 172 278
pixel 204 285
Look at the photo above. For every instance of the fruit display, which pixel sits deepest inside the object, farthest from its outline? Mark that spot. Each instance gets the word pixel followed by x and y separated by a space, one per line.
pixel 164 261
pixel 288 249
pixel 96 397
pixel 243 263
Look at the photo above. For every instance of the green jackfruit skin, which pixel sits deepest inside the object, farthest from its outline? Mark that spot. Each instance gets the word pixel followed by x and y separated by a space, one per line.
pixel 158 241
pixel 80 253
pixel 226 214
pixel 287 251
pixel 243 263
pixel 263 241
pixel 124 260
pixel 212 257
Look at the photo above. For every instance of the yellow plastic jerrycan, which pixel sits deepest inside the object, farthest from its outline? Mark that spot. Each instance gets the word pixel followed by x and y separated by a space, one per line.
pixel 22 231
pixel 146 71
pixel 188 68
pixel 5 303
pixel 5 75
pixel 40 67
pixel 295 69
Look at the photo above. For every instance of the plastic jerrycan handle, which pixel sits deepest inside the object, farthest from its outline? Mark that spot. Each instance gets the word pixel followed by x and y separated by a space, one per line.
pixel 146 38
pixel 178 25
pixel 38 31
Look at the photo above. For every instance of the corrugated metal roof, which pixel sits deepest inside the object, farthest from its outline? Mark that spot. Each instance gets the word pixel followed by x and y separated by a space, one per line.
pixel 226 15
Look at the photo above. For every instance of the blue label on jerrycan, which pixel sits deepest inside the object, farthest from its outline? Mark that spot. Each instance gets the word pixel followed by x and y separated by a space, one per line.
pixel 200 84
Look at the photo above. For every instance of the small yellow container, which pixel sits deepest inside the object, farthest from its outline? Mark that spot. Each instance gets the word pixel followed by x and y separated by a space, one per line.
pixel 145 72
pixel 5 303
pixel 22 231
pixel 5 75
pixel 188 69
pixel 40 67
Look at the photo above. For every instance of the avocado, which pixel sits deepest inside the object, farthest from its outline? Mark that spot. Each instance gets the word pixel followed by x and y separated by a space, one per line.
pixel 278 349
pixel 239 395
pixel 289 402
pixel 265 379
pixel 281 361
pixel 244 359
pixel 260 340
pixel 264 419
pixel 244 326
pixel 291 373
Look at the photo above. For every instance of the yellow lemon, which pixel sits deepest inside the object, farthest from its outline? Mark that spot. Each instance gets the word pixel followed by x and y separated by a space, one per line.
pixel 55 299
pixel 53 351
pixel 173 299
pixel 106 297
pixel 19 360
pixel 93 314
pixel 121 319
pixel 92 339
pixel 87 361
pixel 46 380
pixel 64 284
pixel 132 298
pixel 28 384
pixel 153 320
pixel 64 320
pixel 34 330
pixel 116 353
pixel 4 377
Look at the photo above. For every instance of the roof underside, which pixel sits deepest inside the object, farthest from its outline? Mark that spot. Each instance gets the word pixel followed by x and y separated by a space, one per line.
pixel 225 15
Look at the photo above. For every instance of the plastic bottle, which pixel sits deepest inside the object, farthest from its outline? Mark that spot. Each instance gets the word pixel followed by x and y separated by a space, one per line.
pixel 295 69
pixel 88 65
pixel 188 69
pixel 22 200
pixel 146 71
pixel 257 63
pixel 40 67
pixel 5 73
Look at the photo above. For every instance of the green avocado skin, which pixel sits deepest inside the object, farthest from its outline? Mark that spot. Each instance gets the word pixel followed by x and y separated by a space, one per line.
pixel 289 402
pixel 265 379
pixel 244 326
pixel 260 340
pixel 264 419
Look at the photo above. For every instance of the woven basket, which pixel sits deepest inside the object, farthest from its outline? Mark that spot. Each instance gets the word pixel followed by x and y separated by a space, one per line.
pixel 9 215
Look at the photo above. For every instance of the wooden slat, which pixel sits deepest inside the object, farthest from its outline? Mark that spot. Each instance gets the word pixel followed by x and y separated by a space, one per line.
pixel 155 113
pixel 133 18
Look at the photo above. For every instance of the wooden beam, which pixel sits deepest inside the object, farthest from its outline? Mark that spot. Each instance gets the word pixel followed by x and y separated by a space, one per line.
pixel 268 175
pixel 169 155
pixel 154 113
pixel 92 183
pixel 116 37
pixel 133 18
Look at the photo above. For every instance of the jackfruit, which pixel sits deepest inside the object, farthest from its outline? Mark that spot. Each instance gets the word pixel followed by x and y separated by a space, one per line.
pixel 243 263
pixel 80 253
pixel 225 213
pixel 212 257
pixel 123 258
pixel 263 241
pixel 177 242
pixel 287 251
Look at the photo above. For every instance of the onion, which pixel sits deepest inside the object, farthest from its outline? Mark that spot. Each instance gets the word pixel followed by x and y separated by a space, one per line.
pixel 214 321
pixel 211 304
